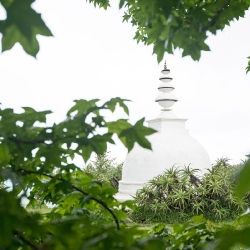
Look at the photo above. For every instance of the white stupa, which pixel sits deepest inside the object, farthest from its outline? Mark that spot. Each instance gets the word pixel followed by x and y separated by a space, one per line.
pixel 171 145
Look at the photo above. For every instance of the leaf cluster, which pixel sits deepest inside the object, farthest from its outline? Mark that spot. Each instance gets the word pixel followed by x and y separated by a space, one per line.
pixel 179 194
pixel 105 169
pixel 37 163
pixel 248 65
pixel 167 25
pixel 199 233
pixel 185 24
pixel 22 25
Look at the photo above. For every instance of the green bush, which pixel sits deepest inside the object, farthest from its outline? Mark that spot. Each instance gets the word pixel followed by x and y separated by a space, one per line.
pixel 105 169
pixel 199 233
pixel 178 194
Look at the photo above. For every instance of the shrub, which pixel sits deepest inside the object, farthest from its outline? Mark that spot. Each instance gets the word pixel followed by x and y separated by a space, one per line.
pixel 178 194
pixel 199 233
pixel 105 169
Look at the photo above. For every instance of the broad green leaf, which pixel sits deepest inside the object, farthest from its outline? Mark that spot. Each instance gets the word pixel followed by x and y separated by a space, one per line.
pixel 84 107
pixel 64 186
pixel 129 134
pixel 118 126
pixel 122 2
pixel 136 133
pixel 97 144
pixel 243 183
pixel 111 104
pixel 243 220
pixel 97 182
pixel 234 237
pixel 101 3
pixel 4 155
pixel 30 116
pixel 248 66
pixel 52 154
pixel 22 26
pixel 99 121
pixel 95 241
pixel 86 151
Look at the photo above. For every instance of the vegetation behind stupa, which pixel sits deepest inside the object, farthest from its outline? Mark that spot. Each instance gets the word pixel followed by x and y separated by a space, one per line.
pixel 180 192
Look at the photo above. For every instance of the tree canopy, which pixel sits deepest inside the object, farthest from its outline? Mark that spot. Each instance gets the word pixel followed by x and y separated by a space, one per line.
pixel 36 162
pixel 167 25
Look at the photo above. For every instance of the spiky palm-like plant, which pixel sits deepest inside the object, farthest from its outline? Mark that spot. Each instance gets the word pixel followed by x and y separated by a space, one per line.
pixel 198 207
pixel 180 193
pixel 221 162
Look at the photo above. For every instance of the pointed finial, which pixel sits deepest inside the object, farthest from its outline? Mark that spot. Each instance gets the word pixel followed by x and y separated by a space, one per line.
pixel 165 65
pixel 165 70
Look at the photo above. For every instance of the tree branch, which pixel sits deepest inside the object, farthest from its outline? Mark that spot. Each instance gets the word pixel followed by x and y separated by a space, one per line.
pixel 102 203
pixel 13 139
pixel 29 243
pixel 215 18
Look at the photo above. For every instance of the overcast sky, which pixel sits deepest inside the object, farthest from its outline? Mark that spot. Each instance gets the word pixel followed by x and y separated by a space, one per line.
pixel 93 55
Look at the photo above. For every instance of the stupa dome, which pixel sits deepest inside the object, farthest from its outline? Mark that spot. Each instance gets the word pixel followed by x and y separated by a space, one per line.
pixel 171 146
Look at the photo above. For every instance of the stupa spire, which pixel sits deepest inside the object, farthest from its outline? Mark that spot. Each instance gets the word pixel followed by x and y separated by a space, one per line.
pixel 165 65
pixel 166 99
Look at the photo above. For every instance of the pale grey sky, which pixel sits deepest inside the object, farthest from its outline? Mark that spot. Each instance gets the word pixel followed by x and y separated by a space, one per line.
pixel 93 55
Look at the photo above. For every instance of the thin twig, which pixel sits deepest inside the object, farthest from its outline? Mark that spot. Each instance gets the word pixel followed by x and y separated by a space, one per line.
pixel 29 243
pixel 13 139
pixel 102 203
pixel 219 12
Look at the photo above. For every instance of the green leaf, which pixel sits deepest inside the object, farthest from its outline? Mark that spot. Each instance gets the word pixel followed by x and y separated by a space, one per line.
pixel 97 182
pixel 129 134
pixel 99 120
pixel 137 134
pixel 64 186
pixel 86 151
pixel 234 237
pixel 30 116
pixel 84 107
pixel 97 144
pixel 94 241
pixel 122 2
pixel 101 3
pixel 22 26
pixel 4 155
pixel 248 66
pixel 118 126
pixel 243 183
pixel 111 104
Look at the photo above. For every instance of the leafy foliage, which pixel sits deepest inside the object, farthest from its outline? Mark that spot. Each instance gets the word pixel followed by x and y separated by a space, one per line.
pixel 178 194
pixel 167 25
pixel 34 158
pixel 199 233
pixel 37 161
pixel 22 25
pixel 180 24
pixel 105 169
pixel 129 135
pixel 243 182
pixel 101 3
pixel 248 66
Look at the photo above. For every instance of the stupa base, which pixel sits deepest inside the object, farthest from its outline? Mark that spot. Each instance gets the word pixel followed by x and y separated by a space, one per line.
pixel 123 197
